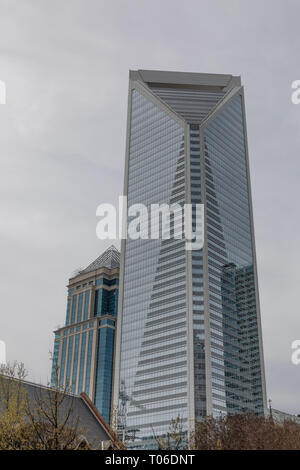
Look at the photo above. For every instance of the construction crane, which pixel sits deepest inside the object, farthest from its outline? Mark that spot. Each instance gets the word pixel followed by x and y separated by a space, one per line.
pixel 125 399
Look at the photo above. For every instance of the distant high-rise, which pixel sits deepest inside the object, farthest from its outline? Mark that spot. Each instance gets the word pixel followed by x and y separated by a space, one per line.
pixel 84 347
pixel 189 338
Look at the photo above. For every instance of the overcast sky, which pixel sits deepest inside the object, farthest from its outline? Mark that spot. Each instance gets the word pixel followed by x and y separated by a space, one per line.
pixel 62 146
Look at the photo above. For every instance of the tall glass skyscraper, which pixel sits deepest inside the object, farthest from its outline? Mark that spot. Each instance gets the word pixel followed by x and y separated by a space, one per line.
pixel 189 340
pixel 84 347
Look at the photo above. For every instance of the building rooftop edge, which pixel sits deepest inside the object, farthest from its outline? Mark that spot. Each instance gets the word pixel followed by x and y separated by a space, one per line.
pixel 184 78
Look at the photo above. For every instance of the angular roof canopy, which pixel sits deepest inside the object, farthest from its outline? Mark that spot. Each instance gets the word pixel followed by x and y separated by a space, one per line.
pixel 192 96
pixel 109 259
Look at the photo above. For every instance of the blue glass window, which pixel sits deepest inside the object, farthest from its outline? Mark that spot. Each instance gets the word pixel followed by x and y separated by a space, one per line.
pixel 82 361
pixel 103 385
pixel 75 363
pixel 54 375
pixel 69 362
pixel 88 363
pixel 63 361
pixel 107 321
pixel 74 304
pixel 68 311
pixel 79 313
pixel 106 302
pixel 86 305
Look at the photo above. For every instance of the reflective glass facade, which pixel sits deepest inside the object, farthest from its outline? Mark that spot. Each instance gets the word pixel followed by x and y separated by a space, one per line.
pixel 235 355
pixel 153 350
pixel 189 334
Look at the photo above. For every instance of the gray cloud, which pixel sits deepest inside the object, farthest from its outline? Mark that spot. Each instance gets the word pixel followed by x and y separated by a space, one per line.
pixel 62 144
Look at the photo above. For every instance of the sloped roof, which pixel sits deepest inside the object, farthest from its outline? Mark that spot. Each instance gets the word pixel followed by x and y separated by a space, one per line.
pixel 109 259
pixel 81 409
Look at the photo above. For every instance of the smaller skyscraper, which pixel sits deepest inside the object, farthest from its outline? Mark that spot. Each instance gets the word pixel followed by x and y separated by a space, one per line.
pixel 84 346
